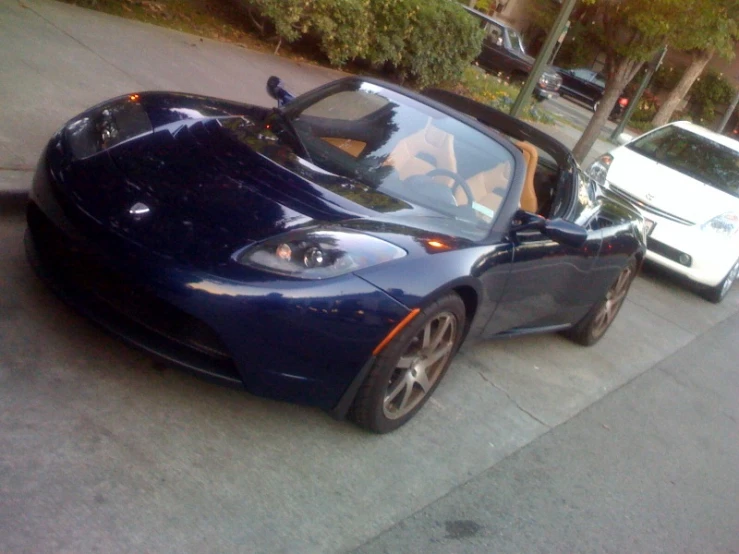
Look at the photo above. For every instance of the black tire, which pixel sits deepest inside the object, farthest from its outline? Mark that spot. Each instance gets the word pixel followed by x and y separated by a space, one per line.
pixel 718 293
pixel 378 406
pixel 591 328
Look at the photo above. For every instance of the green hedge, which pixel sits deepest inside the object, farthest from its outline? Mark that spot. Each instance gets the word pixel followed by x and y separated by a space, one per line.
pixel 427 41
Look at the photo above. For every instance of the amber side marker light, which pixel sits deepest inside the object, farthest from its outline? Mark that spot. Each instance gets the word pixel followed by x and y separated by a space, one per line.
pixel 397 329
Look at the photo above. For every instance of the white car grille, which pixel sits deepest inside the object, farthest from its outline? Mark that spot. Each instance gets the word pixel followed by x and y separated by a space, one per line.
pixel 649 207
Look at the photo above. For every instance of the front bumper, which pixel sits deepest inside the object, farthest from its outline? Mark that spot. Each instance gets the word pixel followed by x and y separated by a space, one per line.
pixel 683 248
pixel 545 94
pixel 297 341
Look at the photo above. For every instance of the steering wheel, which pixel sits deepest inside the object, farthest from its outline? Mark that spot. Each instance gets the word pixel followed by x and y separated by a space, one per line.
pixel 459 182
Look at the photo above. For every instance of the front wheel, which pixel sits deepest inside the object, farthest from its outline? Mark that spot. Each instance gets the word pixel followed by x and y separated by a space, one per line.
pixel 718 293
pixel 410 368
pixel 596 322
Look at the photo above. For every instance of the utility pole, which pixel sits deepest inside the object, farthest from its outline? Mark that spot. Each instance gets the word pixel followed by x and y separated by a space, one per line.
pixel 634 102
pixel 728 113
pixel 546 52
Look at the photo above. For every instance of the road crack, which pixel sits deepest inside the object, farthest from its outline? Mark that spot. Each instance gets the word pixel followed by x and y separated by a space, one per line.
pixel 512 399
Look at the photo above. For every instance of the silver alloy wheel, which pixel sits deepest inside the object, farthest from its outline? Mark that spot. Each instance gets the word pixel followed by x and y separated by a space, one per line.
pixel 729 280
pixel 420 365
pixel 614 298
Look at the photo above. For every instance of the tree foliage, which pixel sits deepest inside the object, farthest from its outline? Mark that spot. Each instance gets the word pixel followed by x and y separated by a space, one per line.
pixel 705 27
pixel 628 32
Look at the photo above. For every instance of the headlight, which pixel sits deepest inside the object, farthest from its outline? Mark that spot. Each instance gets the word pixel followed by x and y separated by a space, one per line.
pixel 106 126
pixel 725 225
pixel 598 170
pixel 319 253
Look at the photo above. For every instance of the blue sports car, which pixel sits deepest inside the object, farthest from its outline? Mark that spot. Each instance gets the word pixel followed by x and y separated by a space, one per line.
pixel 334 251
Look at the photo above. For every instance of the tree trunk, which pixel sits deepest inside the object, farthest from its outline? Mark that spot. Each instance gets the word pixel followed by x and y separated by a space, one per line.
pixel 623 72
pixel 695 69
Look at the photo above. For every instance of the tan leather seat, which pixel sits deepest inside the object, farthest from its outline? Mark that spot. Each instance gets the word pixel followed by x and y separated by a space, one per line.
pixel 428 149
pixel 528 196
pixel 488 187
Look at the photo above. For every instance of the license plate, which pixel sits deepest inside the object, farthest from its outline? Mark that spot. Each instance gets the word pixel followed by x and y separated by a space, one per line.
pixel 649 225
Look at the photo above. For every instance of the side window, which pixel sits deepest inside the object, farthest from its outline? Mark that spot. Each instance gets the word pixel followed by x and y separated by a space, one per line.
pixel 494 33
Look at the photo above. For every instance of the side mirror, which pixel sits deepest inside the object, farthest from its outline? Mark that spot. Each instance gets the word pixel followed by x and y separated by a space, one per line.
pixel 559 230
pixel 565 232
pixel 278 92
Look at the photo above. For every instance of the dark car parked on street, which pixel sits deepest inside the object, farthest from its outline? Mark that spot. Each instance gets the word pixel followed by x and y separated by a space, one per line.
pixel 587 86
pixel 336 250
pixel 503 52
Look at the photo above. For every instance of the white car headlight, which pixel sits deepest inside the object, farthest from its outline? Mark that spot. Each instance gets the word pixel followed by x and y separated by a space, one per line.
pixel 598 170
pixel 726 224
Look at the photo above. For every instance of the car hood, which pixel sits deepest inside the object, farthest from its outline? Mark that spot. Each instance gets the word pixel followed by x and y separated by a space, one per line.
pixel 205 187
pixel 664 189
pixel 530 60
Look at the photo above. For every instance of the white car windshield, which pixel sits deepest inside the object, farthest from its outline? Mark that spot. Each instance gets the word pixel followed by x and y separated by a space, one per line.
pixel 699 157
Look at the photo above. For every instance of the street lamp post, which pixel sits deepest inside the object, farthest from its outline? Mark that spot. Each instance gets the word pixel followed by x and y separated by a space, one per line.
pixel 543 57
pixel 728 113
pixel 634 102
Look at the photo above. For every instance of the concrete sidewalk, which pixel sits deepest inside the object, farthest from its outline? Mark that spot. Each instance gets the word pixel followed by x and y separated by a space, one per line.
pixel 57 60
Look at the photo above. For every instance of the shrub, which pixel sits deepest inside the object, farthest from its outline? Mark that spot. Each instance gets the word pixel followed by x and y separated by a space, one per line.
pixel 339 26
pixel 708 93
pixel 495 92
pixel 442 40
pixel 427 41
pixel 667 77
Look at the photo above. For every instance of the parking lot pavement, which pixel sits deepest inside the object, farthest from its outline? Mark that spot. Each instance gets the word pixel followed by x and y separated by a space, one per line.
pixel 104 449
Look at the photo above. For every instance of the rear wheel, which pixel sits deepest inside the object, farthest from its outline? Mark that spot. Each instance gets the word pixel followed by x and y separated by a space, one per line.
pixel 596 322
pixel 410 368
pixel 718 293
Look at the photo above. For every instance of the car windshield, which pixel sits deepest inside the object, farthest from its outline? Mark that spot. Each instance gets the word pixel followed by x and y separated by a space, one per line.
pixel 699 157
pixel 516 42
pixel 405 149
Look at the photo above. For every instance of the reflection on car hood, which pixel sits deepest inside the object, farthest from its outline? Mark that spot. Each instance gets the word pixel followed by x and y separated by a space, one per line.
pixel 661 187
pixel 211 186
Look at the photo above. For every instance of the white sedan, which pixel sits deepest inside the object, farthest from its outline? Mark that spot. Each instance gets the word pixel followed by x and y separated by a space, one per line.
pixel 685 181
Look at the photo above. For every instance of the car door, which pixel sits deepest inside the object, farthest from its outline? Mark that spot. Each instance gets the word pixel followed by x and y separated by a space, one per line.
pixel 493 54
pixel 595 88
pixel 546 283
pixel 582 85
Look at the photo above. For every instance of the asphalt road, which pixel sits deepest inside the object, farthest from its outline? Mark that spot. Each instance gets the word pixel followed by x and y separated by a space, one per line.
pixel 650 468
pixel 103 449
